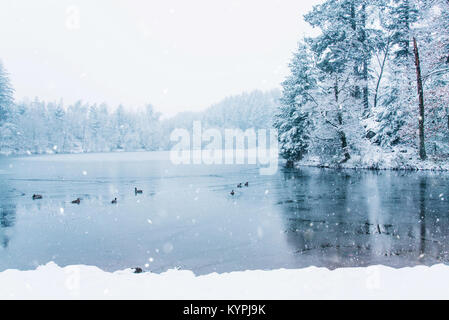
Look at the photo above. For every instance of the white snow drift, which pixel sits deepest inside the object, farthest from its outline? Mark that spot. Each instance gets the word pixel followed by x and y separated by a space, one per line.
pixel 84 282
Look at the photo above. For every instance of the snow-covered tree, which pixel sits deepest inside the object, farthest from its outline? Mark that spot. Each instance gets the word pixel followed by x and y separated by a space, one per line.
pixel 371 92
pixel 293 120
pixel 394 115
pixel 6 94
pixel 8 131
pixel 343 52
pixel 434 52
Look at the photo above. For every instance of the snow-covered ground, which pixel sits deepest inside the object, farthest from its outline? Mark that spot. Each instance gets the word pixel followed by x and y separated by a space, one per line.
pixel 375 158
pixel 84 282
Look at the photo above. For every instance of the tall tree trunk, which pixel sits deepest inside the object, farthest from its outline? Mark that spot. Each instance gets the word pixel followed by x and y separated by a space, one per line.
pixel 365 88
pixel 382 68
pixel 422 146
pixel 447 115
pixel 343 140
pixel 365 71
pixel 341 133
pixel 406 43
pixel 356 90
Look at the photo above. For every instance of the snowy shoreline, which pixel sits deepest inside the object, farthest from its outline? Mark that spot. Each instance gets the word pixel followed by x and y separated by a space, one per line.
pixel 377 161
pixel 381 161
pixel 87 282
pixel 427 167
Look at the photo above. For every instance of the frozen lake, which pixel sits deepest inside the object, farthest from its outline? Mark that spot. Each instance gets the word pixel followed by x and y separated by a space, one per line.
pixel 186 217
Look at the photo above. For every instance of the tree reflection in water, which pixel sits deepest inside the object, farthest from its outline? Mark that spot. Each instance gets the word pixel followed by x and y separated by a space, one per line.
pixel 350 218
pixel 7 212
pixel 7 221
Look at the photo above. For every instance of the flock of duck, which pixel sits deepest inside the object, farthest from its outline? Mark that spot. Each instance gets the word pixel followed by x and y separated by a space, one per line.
pixel 136 191
pixel 240 185
pixel 78 200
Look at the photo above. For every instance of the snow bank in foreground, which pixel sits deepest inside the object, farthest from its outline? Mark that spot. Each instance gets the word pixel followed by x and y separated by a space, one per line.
pixel 83 282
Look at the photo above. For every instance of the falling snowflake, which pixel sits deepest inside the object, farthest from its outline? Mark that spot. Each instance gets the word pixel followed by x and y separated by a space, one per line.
pixel 168 247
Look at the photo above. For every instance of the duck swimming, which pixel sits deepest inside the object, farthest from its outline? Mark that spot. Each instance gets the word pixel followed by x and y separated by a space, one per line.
pixel 114 201
pixel 136 191
pixel 239 185
pixel 247 184
pixel 232 193
pixel 77 201
pixel 37 197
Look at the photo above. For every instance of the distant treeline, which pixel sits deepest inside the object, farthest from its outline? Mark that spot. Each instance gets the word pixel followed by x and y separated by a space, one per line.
pixel 36 127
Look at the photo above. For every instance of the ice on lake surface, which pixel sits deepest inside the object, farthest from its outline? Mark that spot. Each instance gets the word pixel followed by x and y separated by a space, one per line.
pixel 186 217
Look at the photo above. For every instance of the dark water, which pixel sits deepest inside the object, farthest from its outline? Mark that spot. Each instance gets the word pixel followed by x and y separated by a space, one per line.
pixel 187 219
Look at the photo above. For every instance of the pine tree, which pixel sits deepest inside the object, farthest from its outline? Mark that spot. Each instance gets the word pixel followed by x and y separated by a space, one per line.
pixel 8 129
pixel 60 128
pixel 395 123
pixel 95 127
pixel 6 94
pixel 403 14
pixel 293 120
pixel 343 54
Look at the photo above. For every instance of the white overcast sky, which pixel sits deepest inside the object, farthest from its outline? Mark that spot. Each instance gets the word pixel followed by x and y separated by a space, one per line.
pixel 178 55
